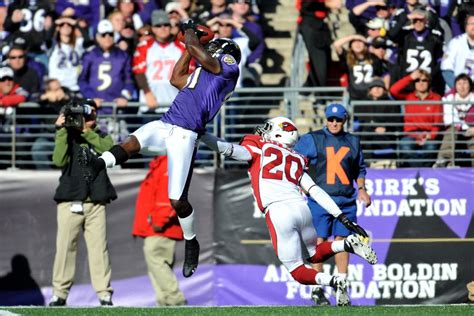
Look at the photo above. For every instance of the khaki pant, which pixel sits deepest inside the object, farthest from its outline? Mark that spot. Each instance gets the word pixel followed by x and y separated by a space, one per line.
pixel 159 256
pixel 446 151
pixel 92 222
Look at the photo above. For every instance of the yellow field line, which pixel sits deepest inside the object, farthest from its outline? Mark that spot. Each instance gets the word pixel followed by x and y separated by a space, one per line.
pixel 394 240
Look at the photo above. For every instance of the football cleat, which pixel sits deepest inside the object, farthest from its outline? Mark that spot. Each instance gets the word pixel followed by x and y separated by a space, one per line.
pixel 57 301
pixel 106 300
pixel 318 297
pixel 354 244
pixel 339 284
pixel 191 257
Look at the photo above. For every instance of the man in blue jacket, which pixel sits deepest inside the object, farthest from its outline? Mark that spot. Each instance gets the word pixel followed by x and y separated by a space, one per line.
pixel 336 161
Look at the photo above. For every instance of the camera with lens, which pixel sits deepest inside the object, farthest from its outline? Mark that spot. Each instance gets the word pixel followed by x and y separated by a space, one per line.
pixel 76 113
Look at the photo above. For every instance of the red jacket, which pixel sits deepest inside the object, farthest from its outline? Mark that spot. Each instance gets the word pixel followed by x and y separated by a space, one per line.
pixel 14 97
pixel 153 205
pixel 419 117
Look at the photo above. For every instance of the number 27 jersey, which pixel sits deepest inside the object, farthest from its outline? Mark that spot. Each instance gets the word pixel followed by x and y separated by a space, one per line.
pixel 275 172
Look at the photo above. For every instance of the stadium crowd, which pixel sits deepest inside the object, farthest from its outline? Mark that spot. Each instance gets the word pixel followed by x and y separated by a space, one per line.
pixel 411 50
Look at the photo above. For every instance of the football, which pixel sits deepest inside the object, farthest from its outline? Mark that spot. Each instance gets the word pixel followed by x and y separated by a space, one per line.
pixel 203 39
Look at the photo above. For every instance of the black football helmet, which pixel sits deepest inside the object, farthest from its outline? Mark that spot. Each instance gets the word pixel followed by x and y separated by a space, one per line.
pixel 221 46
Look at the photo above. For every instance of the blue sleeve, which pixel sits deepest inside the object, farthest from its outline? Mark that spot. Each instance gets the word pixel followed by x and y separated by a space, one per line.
pixel 448 76
pixel 84 77
pixel 230 68
pixel 307 147
pixel 362 166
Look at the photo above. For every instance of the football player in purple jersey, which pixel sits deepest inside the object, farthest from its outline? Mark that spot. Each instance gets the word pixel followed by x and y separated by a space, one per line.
pixel 177 134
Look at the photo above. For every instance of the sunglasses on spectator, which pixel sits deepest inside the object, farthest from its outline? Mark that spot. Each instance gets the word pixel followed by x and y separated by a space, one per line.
pixel 332 119
pixel 16 57
pixel 6 79
pixel 422 80
pixel 225 25
pixel 162 25
pixel 418 20
pixel 379 7
pixel 111 34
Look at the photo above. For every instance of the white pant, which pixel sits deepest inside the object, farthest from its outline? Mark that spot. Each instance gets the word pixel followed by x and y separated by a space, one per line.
pixel 179 144
pixel 290 225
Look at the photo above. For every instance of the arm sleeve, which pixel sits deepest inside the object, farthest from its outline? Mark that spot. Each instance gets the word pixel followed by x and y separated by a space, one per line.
pixel 60 156
pixel 319 195
pixel 101 143
pixel 448 76
pixel 362 166
pixel 225 148
pixel 307 148
pixel 397 88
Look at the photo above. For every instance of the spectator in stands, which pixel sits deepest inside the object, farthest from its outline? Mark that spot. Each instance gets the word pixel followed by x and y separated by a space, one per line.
pixel 118 22
pixel 378 123
pixel 241 12
pixel 176 11
pixel 459 54
pixel 51 102
pixel 157 223
pixel 422 121
pixel 127 41
pixel 25 76
pixel 66 53
pixel 459 129
pixel 81 207
pixel 86 12
pixel 376 27
pixel 361 65
pixel 317 38
pixel 106 70
pixel 153 63
pixel 129 10
pixel 11 93
pixel 208 12
pixel 22 20
pixel 420 48
pixel 379 48
pixel 359 20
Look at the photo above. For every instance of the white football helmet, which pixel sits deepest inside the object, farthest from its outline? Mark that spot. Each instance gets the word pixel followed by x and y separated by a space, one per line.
pixel 281 130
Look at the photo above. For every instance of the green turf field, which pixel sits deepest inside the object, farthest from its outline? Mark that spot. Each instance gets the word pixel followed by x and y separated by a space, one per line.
pixel 420 310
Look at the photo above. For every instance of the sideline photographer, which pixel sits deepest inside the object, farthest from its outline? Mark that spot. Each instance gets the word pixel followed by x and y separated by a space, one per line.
pixel 81 201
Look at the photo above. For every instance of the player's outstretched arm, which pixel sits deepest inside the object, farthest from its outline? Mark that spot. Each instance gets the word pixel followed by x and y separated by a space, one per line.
pixel 225 148
pixel 323 199
pixel 319 195
pixel 196 50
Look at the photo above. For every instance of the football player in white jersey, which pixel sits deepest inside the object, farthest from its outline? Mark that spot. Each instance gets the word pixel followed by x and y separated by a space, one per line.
pixel 277 176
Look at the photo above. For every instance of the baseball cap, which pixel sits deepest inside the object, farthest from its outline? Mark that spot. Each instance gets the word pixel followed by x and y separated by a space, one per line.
pixel 336 110
pixel 159 17
pixel 379 42
pixel 6 72
pixel 375 23
pixel 172 6
pixel 105 26
pixel 376 82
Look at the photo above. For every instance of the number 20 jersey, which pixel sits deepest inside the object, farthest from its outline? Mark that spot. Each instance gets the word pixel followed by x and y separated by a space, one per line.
pixel 275 172
pixel 202 97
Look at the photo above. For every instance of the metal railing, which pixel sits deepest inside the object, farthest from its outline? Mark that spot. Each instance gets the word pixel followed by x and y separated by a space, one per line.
pixel 27 141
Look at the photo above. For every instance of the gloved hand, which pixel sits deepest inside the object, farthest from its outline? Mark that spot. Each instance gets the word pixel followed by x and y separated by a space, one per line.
pixel 353 227
pixel 188 25
pixel 191 25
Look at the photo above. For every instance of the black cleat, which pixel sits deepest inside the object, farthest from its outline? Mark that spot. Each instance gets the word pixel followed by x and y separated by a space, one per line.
pixel 318 297
pixel 191 257
pixel 57 301
pixel 106 301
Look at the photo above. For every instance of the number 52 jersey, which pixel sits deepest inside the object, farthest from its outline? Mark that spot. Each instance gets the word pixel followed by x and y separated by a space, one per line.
pixel 275 172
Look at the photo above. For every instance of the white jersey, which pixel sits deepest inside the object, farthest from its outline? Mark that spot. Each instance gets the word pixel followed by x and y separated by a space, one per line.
pixel 275 171
pixel 65 64
pixel 456 113
pixel 156 60
pixel 458 57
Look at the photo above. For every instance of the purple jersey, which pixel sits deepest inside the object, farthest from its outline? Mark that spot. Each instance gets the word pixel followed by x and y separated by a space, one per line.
pixel 106 76
pixel 200 100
